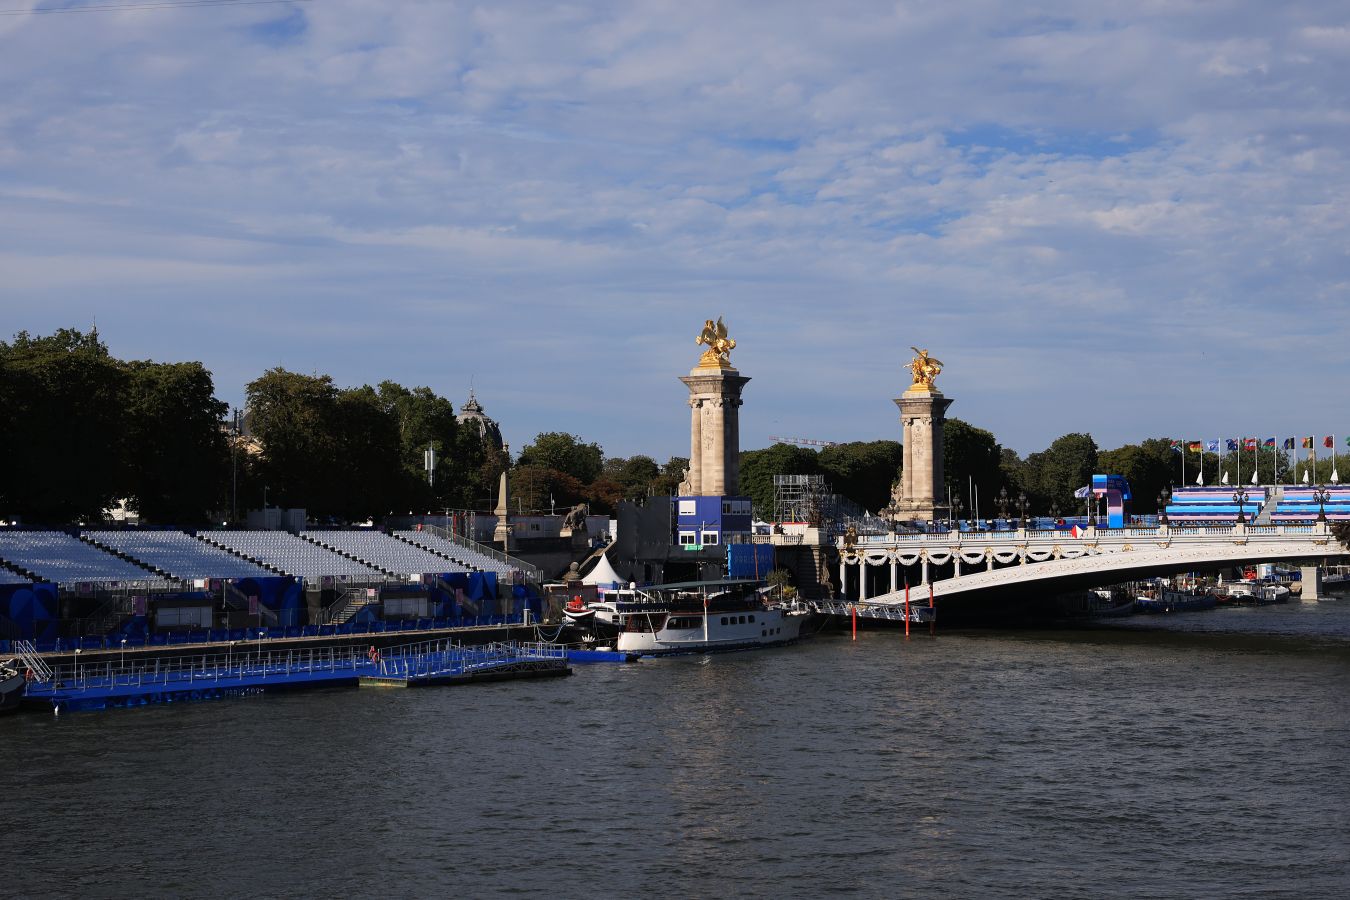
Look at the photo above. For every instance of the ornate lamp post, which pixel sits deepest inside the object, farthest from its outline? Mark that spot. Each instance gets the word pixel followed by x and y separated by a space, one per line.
pixel 956 508
pixel 1240 498
pixel 1321 495
pixel 1022 508
pixel 1163 496
pixel 1091 508
pixel 1002 502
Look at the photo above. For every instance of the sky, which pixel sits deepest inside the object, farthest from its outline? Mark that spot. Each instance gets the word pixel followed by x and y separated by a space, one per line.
pixel 1125 218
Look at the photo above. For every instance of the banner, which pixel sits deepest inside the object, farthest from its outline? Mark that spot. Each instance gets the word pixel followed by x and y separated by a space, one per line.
pixel 1212 446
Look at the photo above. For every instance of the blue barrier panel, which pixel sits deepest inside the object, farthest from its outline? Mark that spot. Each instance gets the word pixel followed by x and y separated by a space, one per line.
pixel 159 639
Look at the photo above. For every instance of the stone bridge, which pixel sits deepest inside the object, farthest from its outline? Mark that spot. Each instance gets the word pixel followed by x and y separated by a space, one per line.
pixel 874 569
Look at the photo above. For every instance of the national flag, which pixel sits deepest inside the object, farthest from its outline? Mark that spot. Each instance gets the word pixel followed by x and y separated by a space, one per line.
pixel 1232 444
pixel 1176 446
pixel 1077 531
pixel 1307 443
pixel 1213 446
pixel 1270 442
pixel 1249 443
pixel 1347 442
pixel 1194 446
pixel 1289 443
pixel 1328 441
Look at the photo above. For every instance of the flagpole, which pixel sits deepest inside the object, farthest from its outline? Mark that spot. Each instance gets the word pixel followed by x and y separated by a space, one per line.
pixel 1238 454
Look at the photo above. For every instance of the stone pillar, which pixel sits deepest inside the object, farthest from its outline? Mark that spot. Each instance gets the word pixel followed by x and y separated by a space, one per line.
pixel 715 430
pixel 922 492
pixel 502 533
pixel 843 579
pixel 895 580
pixel 1311 580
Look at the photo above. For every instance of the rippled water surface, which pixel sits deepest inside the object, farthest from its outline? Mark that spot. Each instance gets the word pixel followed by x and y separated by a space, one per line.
pixel 1205 754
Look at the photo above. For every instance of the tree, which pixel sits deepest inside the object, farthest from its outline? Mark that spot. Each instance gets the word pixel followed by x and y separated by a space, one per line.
pixel 368 477
pixel 634 476
pixel 425 420
pixel 178 463
pixel 1066 466
pixel 294 416
pixel 759 466
pixel 62 411
pixel 541 488
pixel 971 458
pixel 672 474
pixel 564 453
pixel 1146 466
pixel 863 471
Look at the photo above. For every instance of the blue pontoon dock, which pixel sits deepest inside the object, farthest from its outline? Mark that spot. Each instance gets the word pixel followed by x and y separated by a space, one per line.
pixel 106 684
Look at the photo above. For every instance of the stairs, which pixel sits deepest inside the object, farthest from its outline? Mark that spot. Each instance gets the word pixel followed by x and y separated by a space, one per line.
pixel 352 601
pixel 1263 517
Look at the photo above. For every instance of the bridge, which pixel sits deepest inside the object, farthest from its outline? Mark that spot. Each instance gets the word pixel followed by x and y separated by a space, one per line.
pixel 991 564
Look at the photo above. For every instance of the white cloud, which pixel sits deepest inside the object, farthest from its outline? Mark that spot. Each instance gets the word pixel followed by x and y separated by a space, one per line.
pixel 1102 189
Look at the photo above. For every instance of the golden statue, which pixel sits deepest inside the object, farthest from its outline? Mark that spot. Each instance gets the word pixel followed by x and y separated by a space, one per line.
pixel 925 369
pixel 718 354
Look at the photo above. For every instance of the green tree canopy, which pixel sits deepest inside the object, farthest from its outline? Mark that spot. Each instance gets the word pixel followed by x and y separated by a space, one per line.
pixel 862 471
pixel 759 466
pixel 972 461
pixel 564 453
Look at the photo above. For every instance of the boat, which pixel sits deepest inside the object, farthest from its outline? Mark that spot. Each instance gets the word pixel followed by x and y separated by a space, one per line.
pixel 701 617
pixel 1259 593
pixel 12 682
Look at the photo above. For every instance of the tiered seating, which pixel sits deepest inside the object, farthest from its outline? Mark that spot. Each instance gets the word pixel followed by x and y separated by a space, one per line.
pixel 8 577
pixel 385 552
pixel 292 555
pixel 1200 505
pixel 57 557
pixel 180 555
pixel 1298 504
pixel 470 558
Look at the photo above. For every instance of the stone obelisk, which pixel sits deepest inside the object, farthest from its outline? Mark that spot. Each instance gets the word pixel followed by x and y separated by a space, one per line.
pixel 715 426
pixel 923 409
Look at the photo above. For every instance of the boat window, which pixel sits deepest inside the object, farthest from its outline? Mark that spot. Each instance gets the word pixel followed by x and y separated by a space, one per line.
pixel 724 620
pixel 742 622
pixel 752 620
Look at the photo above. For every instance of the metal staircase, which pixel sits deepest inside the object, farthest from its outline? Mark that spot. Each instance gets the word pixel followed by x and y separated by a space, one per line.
pixel 1263 517
pixel 352 601
pixel 26 653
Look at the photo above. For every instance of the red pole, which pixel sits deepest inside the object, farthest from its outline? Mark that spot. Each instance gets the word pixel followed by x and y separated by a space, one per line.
pixel 932 603
pixel 853 614
pixel 906 609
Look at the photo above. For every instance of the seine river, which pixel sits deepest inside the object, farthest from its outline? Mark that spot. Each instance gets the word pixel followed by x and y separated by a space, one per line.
pixel 1195 755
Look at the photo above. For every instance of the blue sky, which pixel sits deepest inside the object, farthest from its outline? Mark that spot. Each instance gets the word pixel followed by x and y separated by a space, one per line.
pixel 1124 218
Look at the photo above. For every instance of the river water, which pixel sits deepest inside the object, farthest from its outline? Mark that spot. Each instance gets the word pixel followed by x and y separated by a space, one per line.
pixel 1193 755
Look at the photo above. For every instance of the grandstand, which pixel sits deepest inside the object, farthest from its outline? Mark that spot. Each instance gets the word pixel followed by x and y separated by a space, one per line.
pixel 177 555
pixel 471 558
pixel 1299 505
pixel 383 551
pixel 1200 505
pixel 287 553
pixel 56 557
pixel 8 576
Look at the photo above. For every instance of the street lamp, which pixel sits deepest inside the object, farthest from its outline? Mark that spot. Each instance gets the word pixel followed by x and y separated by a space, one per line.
pixel 1022 505
pixel 956 507
pixel 123 664
pixel 1240 498
pixel 78 650
pixel 1163 496
pixel 1002 502
pixel 1321 495
pixel 1091 508
pixel 229 656
pixel 260 637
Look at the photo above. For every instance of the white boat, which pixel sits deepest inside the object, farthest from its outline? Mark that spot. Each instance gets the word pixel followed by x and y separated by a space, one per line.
pixel 701 617
pixel 1259 592
pixel 12 684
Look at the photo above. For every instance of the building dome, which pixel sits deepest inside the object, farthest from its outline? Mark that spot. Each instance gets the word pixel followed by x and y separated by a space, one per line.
pixel 471 414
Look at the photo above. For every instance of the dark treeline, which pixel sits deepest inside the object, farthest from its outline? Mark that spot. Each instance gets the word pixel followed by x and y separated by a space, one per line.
pixel 84 430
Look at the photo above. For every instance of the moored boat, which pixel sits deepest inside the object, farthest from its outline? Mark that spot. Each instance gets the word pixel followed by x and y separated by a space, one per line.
pixel 701 617
pixel 12 684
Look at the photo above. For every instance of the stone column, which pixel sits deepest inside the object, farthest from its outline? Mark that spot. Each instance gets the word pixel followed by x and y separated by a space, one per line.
pixel 923 494
pixel 714 438
pixel 843 579
pixel 895 580
pixel 1311 581
pixel 862 579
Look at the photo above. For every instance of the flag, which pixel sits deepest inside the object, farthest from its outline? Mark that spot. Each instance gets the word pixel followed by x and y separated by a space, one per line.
pixel 1194 446
pixel 1249 443
pixel 1307 443
pixel 1176 445
pixel 1289 443
pixel 1270 442
pixel 1213 446
pixel 1328 441
pixel 1232 444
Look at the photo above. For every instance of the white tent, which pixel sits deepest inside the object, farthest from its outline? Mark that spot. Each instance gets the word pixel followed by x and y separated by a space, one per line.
pixel 603 574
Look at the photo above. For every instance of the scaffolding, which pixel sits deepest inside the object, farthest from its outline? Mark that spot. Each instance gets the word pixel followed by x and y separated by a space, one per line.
pixel 801 498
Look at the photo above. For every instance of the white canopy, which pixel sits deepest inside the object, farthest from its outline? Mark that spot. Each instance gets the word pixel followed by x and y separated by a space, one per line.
pixel 602 574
